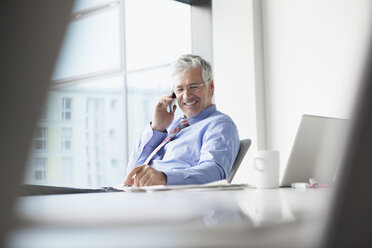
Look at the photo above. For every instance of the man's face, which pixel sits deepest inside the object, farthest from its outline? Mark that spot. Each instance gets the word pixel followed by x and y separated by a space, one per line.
pixel 193 95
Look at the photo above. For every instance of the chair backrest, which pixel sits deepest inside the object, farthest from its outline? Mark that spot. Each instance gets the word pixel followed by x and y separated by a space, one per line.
pixel 244 146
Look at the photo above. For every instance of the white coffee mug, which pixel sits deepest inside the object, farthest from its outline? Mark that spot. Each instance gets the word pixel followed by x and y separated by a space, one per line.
pixel 266 167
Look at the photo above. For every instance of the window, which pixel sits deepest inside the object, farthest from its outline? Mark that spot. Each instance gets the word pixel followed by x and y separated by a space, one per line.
pixel 157 33
pixel 66 139
pixel 43 113
pixel 114 163
pixel 40 139
pixel 39 172
pixel 92 44
pixel 112 68
pixel 114 103
pixel 66 109
pixel 112 133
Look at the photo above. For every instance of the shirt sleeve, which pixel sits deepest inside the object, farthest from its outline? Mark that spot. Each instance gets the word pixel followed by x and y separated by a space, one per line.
pixel 220 145
pixel 149 140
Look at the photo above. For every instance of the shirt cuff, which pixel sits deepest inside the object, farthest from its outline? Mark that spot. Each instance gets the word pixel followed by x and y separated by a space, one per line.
pixel 156 136
pixel 174 177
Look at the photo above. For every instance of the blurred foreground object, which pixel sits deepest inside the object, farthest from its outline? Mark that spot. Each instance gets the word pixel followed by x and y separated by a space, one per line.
pixel 31 34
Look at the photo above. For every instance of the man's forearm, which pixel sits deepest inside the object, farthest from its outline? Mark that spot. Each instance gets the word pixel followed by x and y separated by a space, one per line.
pixel 199 174
pixel 150 139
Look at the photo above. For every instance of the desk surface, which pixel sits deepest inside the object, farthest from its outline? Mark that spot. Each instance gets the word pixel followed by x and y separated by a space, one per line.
pixel 246 218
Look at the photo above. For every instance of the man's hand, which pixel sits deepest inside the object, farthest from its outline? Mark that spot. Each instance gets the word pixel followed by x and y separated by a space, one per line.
pixel 145 175
pixel 162 118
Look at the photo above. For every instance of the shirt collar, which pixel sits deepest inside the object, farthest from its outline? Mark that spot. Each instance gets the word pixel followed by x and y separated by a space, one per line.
pixel 204 114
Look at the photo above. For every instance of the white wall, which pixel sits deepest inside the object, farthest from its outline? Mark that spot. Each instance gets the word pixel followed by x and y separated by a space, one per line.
pixel 234 74
pixel 313 51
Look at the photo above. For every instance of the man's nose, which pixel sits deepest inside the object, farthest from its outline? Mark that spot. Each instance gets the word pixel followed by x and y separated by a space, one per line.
pixel 187 93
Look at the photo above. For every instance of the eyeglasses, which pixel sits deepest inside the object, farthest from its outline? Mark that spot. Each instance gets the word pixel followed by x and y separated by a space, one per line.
pixel 192 88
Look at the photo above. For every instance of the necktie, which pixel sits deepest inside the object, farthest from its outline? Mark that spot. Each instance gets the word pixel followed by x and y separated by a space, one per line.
pixel 175 131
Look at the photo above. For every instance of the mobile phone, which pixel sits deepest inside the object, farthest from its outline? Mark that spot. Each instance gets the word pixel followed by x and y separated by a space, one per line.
pixel 172 103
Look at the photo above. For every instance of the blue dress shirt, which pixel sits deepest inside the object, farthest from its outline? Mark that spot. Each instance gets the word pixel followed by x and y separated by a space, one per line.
pixel 200 153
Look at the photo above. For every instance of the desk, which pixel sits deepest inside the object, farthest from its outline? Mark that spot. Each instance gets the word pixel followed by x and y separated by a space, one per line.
pixel 240 218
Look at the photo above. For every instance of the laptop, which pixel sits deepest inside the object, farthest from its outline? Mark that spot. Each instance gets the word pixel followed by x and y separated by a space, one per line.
pixel 317 150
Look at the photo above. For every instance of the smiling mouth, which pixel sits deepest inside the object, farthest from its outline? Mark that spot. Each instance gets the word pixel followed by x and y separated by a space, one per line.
pixel 190 103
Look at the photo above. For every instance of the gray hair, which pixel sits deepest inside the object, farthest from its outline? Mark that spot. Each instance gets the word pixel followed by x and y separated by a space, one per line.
pixel 189 61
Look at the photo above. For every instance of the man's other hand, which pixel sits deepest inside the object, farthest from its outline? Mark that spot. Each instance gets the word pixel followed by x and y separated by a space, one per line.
pixel 162 118
pixel 145 175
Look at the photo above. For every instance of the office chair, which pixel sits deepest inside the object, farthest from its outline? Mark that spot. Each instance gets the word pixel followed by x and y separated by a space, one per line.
pixel 244 146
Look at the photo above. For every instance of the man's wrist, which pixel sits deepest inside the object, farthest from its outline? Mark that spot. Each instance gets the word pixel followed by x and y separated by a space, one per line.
pixel 165 177
pixel 154 127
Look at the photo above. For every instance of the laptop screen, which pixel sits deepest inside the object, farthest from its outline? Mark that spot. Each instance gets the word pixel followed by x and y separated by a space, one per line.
pixel 317 150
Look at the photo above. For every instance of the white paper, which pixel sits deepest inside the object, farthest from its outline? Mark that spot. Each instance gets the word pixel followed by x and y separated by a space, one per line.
pixel 217 185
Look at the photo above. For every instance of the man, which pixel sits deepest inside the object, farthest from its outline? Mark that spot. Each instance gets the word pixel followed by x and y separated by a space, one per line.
pixel 198 148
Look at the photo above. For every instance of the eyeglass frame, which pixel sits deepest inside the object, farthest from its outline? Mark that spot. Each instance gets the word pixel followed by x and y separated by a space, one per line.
pixel 197 85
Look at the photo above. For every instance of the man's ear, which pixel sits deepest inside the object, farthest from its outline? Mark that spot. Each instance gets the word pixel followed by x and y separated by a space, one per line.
pixel 211 87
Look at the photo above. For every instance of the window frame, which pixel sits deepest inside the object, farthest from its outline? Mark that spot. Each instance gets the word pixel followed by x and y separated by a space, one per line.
pixel 40 167
pixel 42 139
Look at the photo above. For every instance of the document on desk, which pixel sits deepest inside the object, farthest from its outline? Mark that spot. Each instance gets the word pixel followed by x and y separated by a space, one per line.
pixel 218 185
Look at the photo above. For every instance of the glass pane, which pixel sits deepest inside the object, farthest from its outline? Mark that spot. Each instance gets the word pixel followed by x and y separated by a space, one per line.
pixel 66 103
pixel 91 153
pixel 143 91
pixel 39 132
pixel 66 138
pixel 38 175
pixel 157 32
pixel 39 145
pixel 39 170
pixel 40 138
pixel 93 139
pixel 91 45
